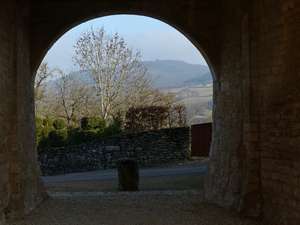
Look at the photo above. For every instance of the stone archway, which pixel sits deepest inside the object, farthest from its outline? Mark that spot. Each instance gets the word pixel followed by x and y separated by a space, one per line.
pixel 203 27
pixel 202 24
pixel 253 47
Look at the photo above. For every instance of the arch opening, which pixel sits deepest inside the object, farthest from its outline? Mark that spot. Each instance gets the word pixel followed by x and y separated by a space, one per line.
pixel 198 77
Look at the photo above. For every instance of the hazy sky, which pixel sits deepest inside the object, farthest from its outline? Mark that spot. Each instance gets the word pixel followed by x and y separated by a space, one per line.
pixel 155 40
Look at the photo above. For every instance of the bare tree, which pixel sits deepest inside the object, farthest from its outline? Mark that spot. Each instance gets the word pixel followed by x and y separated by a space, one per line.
pixel 40 85
pixel 73 97
pixel 117 71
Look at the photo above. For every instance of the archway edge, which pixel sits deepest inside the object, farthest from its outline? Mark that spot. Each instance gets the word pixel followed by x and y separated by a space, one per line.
pixel 205 41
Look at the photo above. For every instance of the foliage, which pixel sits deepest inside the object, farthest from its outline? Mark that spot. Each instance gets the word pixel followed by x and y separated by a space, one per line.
pixel 74 136
pixel 116 81
pixel 38 129
pixel 41 77
pixel 58 138
pixel 55 133
pixel 88 123
pixel 59 124
pixel 154 117
pixel 114 128
pixel 117 71
pixel 121 90
pixel 43 128
pixel 177 116
pixel 72 97
pixel 89 135
pixel 146 118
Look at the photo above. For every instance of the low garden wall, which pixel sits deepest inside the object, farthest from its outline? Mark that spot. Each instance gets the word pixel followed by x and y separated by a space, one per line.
pixel 148 148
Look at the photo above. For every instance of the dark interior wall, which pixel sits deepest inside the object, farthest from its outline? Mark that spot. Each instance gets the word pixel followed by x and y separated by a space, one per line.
pixel 232 168
pixel 19 180
pixel 26 186
pixel 198 20
pixel 275 65
pixel 7 103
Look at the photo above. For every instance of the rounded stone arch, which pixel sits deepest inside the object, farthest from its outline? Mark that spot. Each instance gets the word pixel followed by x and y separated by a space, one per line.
pixel 199 21
pixel 214 25
pixel 178 28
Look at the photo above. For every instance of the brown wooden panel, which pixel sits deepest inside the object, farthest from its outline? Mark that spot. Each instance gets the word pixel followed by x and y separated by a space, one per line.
pixel 201 139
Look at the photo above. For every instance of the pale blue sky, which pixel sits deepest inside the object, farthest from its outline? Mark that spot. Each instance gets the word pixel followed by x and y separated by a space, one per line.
pixel 155 40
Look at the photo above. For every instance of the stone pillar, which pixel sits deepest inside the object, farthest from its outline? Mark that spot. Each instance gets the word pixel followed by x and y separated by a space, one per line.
pixel 8 98
pixel 234 170
pixel 20 186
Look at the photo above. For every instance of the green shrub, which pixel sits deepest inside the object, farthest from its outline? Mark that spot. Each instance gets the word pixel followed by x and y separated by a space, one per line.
pixel 56 134
pixel 79 136
pixel 89 135
pixel 57 138
pixel 113 129
pixel 38 129
pixel 74 136
pixel 43 128
pixel 59 124
pixel 47 122
pixel 89 123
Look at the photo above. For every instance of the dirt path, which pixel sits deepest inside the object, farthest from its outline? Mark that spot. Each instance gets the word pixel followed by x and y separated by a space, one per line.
pixel 141 208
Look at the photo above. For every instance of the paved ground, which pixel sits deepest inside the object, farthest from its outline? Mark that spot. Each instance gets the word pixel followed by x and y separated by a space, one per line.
pixel 184 182
pixel 142 208
pixel 169 196
pixel 179 177
pixel 101 175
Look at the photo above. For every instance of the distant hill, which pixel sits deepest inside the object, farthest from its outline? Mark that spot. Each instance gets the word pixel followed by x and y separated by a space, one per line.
pixel 173 73
pixel 167 74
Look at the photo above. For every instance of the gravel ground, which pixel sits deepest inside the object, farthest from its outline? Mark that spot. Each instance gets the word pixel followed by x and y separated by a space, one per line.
pixel 140 208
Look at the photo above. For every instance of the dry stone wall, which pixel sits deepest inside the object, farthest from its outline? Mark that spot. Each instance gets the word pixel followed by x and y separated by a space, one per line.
pixel 148 148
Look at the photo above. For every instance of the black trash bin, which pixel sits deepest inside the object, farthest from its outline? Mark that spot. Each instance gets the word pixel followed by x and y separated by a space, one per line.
pixel 128 174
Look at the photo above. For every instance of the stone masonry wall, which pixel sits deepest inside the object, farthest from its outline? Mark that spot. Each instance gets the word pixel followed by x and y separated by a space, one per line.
pixel 275 65
pixel 7 105
pixel 149 148
pixel 20 186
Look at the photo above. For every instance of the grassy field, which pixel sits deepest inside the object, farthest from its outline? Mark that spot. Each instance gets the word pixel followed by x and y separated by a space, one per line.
pixel 197 100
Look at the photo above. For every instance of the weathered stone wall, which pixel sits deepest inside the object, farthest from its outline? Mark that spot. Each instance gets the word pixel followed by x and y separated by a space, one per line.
pixel 198 20
pixel 7 104
pixel 25 184
pixel 20 187
pixel 259 85
pixel 229 162
pixel 148 148
pixel 275 65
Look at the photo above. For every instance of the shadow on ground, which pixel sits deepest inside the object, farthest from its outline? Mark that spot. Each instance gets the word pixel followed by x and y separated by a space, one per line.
pixel 145 208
